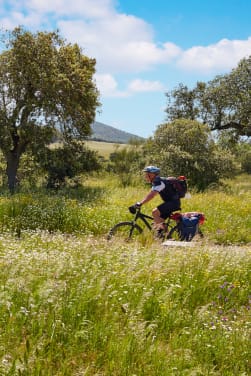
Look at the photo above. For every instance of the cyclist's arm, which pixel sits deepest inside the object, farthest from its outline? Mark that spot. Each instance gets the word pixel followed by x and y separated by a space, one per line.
pixel 148 197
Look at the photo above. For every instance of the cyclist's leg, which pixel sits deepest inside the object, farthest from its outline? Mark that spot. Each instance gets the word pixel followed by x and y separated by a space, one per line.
pixel 163 211
pixel 158 220
pixel 159 227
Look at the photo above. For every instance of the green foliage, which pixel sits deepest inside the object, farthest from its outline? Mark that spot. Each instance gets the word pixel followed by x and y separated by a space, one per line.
pixel 66 161
pixel 181 103
pixel 240 147
pixel 30 172
pixel 243 152
pixel 45 85
pixel 185 147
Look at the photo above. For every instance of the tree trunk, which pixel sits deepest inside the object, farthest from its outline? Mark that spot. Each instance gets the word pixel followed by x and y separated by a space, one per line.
pixel 12 159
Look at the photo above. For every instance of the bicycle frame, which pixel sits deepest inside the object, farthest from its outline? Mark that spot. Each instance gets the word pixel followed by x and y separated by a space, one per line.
pixel 144 217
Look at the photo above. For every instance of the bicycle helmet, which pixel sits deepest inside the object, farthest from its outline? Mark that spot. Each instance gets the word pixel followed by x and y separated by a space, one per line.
pixel 152 169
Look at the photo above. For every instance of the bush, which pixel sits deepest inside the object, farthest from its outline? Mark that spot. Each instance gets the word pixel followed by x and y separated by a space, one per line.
pixel 185 147
pixel 67 162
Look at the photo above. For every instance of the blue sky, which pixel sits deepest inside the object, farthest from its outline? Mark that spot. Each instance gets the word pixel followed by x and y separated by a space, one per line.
pixel 143 48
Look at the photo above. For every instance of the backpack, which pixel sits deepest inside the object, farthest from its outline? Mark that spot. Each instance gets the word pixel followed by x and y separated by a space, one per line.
pixel 179 185
pixel 189 223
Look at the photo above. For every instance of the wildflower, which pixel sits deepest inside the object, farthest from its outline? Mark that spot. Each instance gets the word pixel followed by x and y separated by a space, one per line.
pixel 7 359
pixel 223 285
pixel 230 288
pixel 24 310
pixel 125 307
pixel 213 327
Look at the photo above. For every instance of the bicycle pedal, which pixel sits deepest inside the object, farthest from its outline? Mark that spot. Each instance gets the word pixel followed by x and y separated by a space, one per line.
pixel 160 234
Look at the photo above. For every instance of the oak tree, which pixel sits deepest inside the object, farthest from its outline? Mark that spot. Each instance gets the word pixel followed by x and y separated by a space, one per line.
pixel 222 103
pixel 46 85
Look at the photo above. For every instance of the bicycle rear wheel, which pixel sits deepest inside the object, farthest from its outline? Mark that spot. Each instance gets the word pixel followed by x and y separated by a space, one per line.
pixel 175 233
pixel 124 230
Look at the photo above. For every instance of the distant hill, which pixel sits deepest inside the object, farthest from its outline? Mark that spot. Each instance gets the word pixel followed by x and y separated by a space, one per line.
pixel 103 132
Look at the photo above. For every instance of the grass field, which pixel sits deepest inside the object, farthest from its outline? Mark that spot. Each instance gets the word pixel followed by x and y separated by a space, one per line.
pixel 104 148
pixel 73 304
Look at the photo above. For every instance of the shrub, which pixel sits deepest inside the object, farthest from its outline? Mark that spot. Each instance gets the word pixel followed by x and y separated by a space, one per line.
pixel 185 147
pixel 67 162
pixel 125 162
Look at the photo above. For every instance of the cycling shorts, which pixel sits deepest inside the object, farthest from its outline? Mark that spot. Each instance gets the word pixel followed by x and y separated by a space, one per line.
pixel 166 208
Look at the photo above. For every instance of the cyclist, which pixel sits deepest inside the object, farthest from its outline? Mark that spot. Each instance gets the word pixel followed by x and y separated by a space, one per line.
pixel 164 188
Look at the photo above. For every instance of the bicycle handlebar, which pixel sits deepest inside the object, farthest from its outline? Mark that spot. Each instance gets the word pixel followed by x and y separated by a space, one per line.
pixel 133 209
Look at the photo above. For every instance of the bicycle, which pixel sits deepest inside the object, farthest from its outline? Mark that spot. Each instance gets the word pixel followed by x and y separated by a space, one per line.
pixel 174 228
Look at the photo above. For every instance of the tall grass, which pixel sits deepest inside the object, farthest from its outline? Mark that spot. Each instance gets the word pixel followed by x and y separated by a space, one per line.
pixel 102 202
pixel 79 306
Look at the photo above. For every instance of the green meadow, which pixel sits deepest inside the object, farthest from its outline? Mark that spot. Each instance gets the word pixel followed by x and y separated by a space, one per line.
pixel 74 304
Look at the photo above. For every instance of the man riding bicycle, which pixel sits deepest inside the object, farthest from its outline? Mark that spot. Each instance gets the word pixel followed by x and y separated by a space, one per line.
pixel 165 189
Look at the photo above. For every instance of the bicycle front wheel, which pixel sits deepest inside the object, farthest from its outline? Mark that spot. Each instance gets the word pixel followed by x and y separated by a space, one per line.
pixel 124 230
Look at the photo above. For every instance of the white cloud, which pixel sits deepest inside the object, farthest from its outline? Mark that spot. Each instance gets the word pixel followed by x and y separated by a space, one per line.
pixel 145 86
pixel 223 55
pixel 120 43
pixel 108 86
